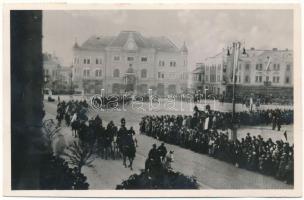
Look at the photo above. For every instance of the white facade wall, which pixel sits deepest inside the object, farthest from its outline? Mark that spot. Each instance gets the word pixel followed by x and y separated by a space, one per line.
pixel 176 74
pixel 251 69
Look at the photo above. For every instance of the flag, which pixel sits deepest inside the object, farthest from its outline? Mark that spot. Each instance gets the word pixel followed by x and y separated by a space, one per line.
pixel 285 135
pixel 268 64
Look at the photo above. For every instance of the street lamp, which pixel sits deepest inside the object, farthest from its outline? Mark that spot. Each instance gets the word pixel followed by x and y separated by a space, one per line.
pixel 71 81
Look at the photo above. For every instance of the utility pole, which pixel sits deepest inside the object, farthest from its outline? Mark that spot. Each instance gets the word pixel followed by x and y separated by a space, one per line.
pixel 71 81
pixel 235 51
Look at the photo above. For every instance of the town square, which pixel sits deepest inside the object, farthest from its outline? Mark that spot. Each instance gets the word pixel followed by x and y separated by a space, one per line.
pixel 186 99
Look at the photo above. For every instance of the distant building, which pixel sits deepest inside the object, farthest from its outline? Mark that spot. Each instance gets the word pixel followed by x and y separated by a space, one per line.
pixel 130 62
pixel 51 64
pixel 259 72
pixel 198 77
pixel 56 77
pixel 64 77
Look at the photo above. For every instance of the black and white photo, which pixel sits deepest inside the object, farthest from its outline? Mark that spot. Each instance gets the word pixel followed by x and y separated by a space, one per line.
pixel 132 99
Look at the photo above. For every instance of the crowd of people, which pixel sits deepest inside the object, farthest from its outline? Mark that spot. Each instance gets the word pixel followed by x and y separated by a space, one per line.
pixel 200 133
pixel 223 120
pixel 110 142
pixel 204 132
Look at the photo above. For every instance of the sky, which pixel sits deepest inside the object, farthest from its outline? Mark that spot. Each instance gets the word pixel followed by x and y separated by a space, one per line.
pixel 205 32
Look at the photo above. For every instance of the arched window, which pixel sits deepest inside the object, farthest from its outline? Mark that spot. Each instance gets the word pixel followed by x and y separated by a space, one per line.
pixel 116 73
pixel 144 73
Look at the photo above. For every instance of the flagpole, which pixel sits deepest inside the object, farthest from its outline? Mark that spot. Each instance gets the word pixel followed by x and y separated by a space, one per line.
pixel 236 47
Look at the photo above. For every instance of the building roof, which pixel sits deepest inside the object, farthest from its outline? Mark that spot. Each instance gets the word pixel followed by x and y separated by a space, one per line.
pixel 253 54
pixel 272 54
pixel 123 37
pixel 162 44
pixel 101 42
pixel 97 42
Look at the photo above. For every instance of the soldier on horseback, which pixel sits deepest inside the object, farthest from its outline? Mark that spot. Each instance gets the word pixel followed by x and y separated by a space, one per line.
pixel 126 143
pixel 100 135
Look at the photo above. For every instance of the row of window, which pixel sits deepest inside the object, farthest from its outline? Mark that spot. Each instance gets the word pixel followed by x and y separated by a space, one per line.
pixel 116 73
pixel 87 61
pixel 86 72
pixel 161 75
pixel 259 79
pixel 131 59
pixel 258 67
pixel 213 78
pixel 161 63
pixel 276 67
pixel 213 67
pixel 98 61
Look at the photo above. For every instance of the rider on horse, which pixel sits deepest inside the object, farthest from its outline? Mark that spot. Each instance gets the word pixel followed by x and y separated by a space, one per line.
pixel 126 144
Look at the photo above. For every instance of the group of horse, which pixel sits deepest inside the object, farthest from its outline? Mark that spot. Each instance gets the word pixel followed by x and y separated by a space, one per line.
pixel 109 142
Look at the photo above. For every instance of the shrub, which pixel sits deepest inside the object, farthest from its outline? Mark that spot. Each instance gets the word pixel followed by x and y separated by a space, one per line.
pixel 168 179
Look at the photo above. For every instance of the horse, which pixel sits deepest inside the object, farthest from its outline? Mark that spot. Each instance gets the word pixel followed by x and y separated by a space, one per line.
pixel 59 118
pixel 128 151
pixel 67 118
pixel 75 127
pixel 107 145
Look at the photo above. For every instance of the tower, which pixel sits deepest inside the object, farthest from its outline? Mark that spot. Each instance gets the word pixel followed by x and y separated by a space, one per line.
pixel 184 52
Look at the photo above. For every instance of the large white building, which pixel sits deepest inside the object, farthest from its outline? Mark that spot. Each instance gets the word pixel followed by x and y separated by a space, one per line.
pixel 258 72
pixel 130 62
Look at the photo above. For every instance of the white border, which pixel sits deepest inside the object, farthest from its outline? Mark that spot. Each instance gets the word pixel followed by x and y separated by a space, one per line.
pixel 296 192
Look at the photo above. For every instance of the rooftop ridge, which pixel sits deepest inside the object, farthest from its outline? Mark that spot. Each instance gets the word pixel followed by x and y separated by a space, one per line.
pixel 101 42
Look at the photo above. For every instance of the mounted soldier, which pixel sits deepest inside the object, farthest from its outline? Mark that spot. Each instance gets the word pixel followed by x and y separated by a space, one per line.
pixel 132 132
pixel 126 143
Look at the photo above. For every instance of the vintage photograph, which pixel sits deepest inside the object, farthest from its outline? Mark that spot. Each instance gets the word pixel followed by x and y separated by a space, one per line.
pixel 152 99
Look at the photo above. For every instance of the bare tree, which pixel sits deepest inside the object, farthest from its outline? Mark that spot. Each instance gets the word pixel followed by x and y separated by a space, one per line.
pixel 50 129
pixel 80 154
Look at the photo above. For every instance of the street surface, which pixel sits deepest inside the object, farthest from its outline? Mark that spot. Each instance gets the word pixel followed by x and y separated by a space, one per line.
pixel 210 173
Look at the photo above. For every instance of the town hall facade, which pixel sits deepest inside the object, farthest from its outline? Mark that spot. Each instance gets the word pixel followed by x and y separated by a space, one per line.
pixel 130 62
